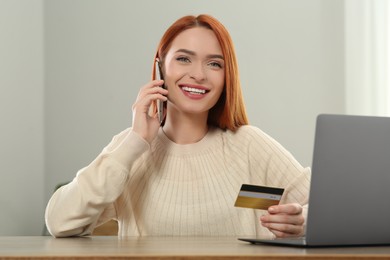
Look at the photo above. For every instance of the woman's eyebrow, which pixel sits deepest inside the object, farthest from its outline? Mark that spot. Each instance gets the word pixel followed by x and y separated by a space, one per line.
pixel 192 53
pixel 187 51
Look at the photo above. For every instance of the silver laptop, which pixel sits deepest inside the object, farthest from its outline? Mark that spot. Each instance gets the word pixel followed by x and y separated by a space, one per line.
pixel 349 201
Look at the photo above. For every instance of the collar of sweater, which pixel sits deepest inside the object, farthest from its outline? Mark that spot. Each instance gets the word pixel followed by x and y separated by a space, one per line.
pixel 207 142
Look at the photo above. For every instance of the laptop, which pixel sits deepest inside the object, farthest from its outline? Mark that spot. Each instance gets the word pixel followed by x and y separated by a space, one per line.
pixel 349 202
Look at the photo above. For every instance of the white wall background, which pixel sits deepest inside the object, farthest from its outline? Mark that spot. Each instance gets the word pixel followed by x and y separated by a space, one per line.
pixel 61 106
pixel 367 57
pixel 21 117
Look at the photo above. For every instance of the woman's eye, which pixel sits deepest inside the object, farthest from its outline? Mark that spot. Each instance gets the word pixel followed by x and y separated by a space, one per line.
pixel 215 64
pixel 183 59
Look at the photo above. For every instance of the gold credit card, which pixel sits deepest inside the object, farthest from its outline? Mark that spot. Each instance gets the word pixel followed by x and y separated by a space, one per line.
pixel 258 197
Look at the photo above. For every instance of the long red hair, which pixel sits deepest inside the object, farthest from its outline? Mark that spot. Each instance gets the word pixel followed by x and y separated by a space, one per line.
pixel 229 112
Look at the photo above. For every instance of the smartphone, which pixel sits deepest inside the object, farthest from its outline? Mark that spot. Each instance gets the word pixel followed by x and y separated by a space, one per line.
pixel 160 104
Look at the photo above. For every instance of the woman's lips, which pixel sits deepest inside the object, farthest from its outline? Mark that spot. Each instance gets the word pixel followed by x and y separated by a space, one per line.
pixel 194 92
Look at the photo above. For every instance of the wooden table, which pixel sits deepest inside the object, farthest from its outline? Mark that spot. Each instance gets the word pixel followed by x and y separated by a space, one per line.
pixel 111 247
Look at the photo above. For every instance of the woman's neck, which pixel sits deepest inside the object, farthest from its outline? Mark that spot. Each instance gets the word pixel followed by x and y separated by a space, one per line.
pixel 185 129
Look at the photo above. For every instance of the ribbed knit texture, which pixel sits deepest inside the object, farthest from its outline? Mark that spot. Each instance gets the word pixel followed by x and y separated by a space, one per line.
pixel 178 190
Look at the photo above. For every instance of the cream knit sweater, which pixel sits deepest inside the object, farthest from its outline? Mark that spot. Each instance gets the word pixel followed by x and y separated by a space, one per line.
pixel 167 189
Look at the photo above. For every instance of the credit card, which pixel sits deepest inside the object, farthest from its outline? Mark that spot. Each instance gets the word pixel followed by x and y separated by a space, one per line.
pixel 258 197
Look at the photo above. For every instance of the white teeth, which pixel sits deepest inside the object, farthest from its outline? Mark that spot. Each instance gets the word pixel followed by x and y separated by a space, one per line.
pixel 194 90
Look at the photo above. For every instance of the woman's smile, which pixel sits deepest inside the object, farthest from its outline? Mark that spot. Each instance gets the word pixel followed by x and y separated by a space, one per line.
pixel 194 91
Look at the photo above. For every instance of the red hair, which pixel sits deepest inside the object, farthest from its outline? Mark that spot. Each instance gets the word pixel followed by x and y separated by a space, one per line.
pixel 229 112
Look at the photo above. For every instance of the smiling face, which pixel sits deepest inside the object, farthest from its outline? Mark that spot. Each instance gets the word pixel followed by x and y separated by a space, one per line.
pixel 194 72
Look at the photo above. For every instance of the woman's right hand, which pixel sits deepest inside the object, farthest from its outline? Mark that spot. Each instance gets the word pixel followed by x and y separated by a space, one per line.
pixel 144 124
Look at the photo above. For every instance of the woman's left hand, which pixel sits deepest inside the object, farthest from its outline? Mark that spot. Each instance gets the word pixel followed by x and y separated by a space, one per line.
pixel 284 220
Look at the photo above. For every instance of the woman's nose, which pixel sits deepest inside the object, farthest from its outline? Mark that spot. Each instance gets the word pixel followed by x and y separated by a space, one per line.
pixel 197 72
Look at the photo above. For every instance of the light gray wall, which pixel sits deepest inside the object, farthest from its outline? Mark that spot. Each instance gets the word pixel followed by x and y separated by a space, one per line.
pixel 21 115
pixel 98 53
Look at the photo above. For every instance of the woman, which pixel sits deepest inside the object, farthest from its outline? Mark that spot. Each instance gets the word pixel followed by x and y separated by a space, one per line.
pixel 182 177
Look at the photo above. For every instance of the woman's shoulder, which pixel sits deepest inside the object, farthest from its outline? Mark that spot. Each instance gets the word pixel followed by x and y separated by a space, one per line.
pixel 250 131
pixel 245 135
pixel 251 135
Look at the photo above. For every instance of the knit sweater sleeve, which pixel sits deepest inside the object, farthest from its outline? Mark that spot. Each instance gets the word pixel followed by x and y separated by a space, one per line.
pixel 279 169
pixel 78 207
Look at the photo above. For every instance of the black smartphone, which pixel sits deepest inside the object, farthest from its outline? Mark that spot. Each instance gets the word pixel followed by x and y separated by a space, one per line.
pixel 160 104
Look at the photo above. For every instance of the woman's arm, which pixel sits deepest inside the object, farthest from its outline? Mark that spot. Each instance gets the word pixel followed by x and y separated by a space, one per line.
pixel 76 208
pixel 282 170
